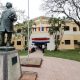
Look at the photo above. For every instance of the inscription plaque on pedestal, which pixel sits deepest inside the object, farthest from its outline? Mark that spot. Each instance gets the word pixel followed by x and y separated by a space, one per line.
pixel 14 60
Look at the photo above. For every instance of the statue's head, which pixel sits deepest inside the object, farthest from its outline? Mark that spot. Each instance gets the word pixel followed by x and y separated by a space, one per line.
pixel 9 5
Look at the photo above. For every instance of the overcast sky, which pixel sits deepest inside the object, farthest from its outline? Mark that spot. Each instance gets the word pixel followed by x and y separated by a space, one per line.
pixel 22 5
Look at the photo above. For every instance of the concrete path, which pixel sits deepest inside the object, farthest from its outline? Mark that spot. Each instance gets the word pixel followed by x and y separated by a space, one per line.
pixel 37 54
pixel 55 68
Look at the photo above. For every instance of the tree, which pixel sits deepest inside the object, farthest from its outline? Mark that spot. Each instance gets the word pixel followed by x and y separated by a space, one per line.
pixel 56 30
pixel 24 29
pixel 71 8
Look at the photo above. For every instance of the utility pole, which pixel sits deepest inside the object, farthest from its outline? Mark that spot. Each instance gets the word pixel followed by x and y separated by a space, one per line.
pixel 28 28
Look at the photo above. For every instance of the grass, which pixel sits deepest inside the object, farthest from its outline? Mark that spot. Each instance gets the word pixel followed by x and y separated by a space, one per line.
pixel 66 54
pixel 23 52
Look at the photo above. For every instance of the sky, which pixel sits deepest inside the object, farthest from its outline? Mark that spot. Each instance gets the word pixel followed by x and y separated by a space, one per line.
pixel 34 7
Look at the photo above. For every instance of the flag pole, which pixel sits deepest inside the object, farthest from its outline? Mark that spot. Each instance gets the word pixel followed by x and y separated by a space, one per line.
pixel 28 28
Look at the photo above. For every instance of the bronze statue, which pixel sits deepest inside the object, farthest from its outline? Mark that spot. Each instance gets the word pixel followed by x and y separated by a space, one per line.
pixel 8 17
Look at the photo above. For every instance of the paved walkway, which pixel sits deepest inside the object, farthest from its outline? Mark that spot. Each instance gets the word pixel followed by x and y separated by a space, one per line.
pixel 37 54
pixel 55 68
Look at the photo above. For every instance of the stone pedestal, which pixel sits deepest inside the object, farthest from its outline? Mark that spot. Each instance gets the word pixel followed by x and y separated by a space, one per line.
pixel 9 64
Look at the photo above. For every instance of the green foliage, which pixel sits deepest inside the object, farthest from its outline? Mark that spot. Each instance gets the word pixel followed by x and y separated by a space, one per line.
pixel 51 30
pixel 24 26
pixel 55 25
pixel 23 52
pixel 24 29
pixel 55 28
pixel 66 54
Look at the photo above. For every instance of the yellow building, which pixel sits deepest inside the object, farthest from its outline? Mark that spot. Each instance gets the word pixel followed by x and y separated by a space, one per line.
pixel 41 36
pixel 70 35
pixel 19 39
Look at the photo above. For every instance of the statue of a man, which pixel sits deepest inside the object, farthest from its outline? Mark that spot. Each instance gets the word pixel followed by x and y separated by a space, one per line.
pixel 8 17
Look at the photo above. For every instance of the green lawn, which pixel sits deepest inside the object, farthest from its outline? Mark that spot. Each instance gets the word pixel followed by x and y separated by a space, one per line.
pixel 23 52
pixel 66 54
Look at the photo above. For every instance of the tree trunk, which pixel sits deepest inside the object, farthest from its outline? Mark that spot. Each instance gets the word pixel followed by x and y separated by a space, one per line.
pixel 56 44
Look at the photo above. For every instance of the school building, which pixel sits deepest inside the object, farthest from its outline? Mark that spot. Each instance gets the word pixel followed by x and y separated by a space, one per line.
pixel 18 38
pixel 70 36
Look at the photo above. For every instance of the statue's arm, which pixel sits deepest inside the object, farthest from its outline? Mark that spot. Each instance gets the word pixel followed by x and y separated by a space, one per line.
pixel 13 16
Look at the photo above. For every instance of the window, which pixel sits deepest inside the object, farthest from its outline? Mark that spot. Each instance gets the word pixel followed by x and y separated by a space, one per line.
pixel 75 42
pixel 38 28
pixel 66 28
pixel 13 43
pixel 42 28
pixel 67 41
pixel 18 42
pixel 74 29
pixel 25 42
pixel 34 29
pixel 19 31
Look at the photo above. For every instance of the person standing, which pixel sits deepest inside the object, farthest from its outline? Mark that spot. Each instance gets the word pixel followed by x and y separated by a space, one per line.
pixel 8 17
pixel 43 47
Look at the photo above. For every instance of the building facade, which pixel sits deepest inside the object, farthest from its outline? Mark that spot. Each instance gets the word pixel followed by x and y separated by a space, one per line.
pixel 40 35
pixel 70 35
pixel 18 38
pixel 69 38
